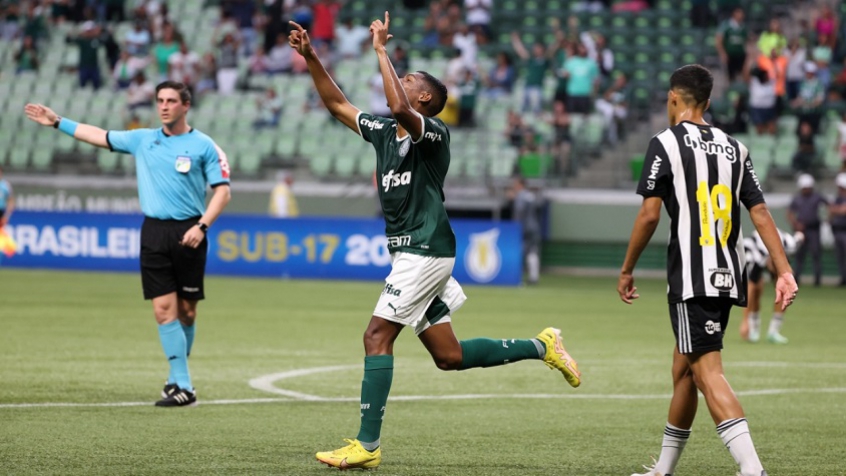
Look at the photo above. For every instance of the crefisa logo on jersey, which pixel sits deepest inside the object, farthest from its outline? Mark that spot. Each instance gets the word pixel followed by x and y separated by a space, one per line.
pixel 483 258
pixel 391 179
pixel 371 124
pixel 711 327
pixel 722 279
pixel 712 147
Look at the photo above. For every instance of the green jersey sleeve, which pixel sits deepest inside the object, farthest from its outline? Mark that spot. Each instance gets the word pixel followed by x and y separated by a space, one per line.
pixel 374 128
pixel 435 137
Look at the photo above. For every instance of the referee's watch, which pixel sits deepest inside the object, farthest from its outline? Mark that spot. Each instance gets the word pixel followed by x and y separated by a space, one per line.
pixel 203 227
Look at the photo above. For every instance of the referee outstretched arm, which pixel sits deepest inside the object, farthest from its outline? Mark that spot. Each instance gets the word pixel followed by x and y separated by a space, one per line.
pixel 175 165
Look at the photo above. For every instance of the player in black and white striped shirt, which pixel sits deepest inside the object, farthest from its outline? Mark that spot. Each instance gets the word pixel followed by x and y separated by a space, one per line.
pixel 701 175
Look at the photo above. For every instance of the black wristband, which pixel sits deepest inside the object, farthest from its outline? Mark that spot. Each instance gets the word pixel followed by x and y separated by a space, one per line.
pixel 56 122
pixel 203 227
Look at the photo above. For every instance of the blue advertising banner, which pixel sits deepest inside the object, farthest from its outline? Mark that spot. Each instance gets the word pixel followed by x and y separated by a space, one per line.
pixel 338 248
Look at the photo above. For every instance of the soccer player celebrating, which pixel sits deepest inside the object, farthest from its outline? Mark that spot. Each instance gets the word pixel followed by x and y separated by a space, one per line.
pixel 702 175
pixel 175 163
pixel 757 261
pixel 412 158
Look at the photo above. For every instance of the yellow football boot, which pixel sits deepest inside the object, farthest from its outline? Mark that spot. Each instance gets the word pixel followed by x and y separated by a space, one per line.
pixel 352 456
pixel 558 358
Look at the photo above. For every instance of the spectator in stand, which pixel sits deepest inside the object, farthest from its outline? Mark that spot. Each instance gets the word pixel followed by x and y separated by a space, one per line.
pixel 399 58
pixel 243 12
pixel 837 218
pixel 613 107
pixel 163 50
pixel 808 104
pixel 731 44
pixel 208 77
pixel 184 67
pixel 772 39
pixel 138 40
pixel 115 10
pixel 827 25
pixel 469 87
pixel 10 26
pixel 431 34
pixel 159 21
pixel 226 25
pixel 258 62
pixel 279 58
pixel 515 129
pixel 323 30
pixel 804 215
pixel 537 64
pixel 500 80
pixel 26 58
pixel 301 12
pixel 593 6
pixel 762 99
pixel 797 56
pixel 582 75
pixel 775 64
pixel 88 41
pixel 598 52
pixel 822 55
pixel 805 158
pixel 270 109
pixel 140 92
pixel 725 8
pixel 560 121
pixel 227 72
pixel 35 24
pixel 633 6
pixel 125 69
pixel 455 67
pixel 465 41
pixel 840 145
pixel 350 39
pixel 479 18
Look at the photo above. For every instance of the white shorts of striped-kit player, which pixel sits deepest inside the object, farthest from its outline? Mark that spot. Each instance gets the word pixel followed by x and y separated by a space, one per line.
pixel 415 283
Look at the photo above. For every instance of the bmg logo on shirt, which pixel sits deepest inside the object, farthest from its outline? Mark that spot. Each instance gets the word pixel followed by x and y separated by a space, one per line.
pixel 722 279
pixel 392 179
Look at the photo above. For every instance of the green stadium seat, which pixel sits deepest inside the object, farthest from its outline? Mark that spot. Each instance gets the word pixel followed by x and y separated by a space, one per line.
pixel 320 165
pixel 107 161
pixel 249 162
pixel 345 165
pixel 42 159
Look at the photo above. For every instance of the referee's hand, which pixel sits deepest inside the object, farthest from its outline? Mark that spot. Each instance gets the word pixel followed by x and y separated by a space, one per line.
pixel 193 237
pixel 40 114
pixel 626 288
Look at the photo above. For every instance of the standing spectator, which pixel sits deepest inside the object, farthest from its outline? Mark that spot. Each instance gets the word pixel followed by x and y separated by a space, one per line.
pixel 279 58
pixel 243 12
pixel 111 46
pixel 270 109
pixel 465 41
pixel 822 55
pixel 140 92
pixel 350 38
pixel 527 209
pixel 258 62
pixel 841 141
pixel 10 25
pixel 797 56
pixel 805 157
pixel 772 39
pixel 500 81
pixel 537 64
pixel 138 40
pixel 26 58
pixel 184 67
pixel 163 50
pixel 325 12
pixel 827 25
pixel 582 75
pixel 837 218
pixel 283 204
pixel 227 72
pixel 479 17
pixel 776 67
pixel 88 42
pixel 762 99
pixel 125 69
pixel 226 25
pixel 515 129
pixel 612 105
pixel 804 216
pixel 808 104
pixel 455 67
pixel 431 32
pixel 35 24
pixel 115 10
pixel 599 52
pixel 469 87
pixel 208 76
pixel 562 139
pixel 731 43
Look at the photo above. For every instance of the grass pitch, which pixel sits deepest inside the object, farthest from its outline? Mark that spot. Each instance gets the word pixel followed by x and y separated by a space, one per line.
pixel 89 340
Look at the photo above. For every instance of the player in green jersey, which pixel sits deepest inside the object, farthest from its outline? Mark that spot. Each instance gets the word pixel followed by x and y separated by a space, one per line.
pixel 412 159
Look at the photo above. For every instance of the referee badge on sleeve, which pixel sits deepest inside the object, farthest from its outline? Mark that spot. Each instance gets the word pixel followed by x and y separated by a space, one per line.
pixel 183 164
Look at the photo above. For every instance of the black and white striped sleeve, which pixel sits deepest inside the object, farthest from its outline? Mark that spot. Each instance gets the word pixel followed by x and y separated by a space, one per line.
pixel 655 180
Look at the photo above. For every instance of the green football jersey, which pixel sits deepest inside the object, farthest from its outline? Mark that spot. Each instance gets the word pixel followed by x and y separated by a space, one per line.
pixel 410 178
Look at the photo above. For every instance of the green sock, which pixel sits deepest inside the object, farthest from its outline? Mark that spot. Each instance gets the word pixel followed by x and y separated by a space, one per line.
pixel 378 374
pixel 482 352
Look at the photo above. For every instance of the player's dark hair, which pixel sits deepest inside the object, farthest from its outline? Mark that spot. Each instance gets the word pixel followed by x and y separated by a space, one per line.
pixel 438 91
pixel 181 88
pixel 693 83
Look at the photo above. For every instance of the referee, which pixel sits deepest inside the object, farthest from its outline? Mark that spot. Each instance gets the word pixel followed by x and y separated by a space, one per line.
pixel 702 175
pixel 174 164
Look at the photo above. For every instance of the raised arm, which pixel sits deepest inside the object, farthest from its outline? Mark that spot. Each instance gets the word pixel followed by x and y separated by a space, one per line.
pixel 786 287
pixel 398 101
pixel 83 132
pixel 518 46
pixel 330 93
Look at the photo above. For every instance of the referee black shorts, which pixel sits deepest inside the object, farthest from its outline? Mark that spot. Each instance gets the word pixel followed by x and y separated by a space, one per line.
pixel 699 323
pixel 166 265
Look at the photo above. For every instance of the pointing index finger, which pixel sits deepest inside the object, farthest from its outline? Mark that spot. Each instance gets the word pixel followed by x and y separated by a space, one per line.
pixel 297 26
pixel 387 19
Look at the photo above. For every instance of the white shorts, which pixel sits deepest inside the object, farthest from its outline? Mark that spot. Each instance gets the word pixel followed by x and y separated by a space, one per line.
pixel 420 291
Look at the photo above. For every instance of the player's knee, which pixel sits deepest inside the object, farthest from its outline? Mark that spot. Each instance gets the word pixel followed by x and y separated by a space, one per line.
pixel 187 317
pixel 448 360
pixel 375 342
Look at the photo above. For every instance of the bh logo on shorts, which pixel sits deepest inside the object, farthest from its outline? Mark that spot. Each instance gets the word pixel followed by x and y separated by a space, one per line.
pixel 483 258
pixel 722 279
pixel 711 327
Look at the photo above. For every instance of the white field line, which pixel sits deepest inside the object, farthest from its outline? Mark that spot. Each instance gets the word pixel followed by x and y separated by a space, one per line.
pixel 266 383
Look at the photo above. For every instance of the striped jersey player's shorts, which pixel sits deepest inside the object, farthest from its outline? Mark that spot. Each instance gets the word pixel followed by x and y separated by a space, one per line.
pixel 420 291
pixel 699 323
